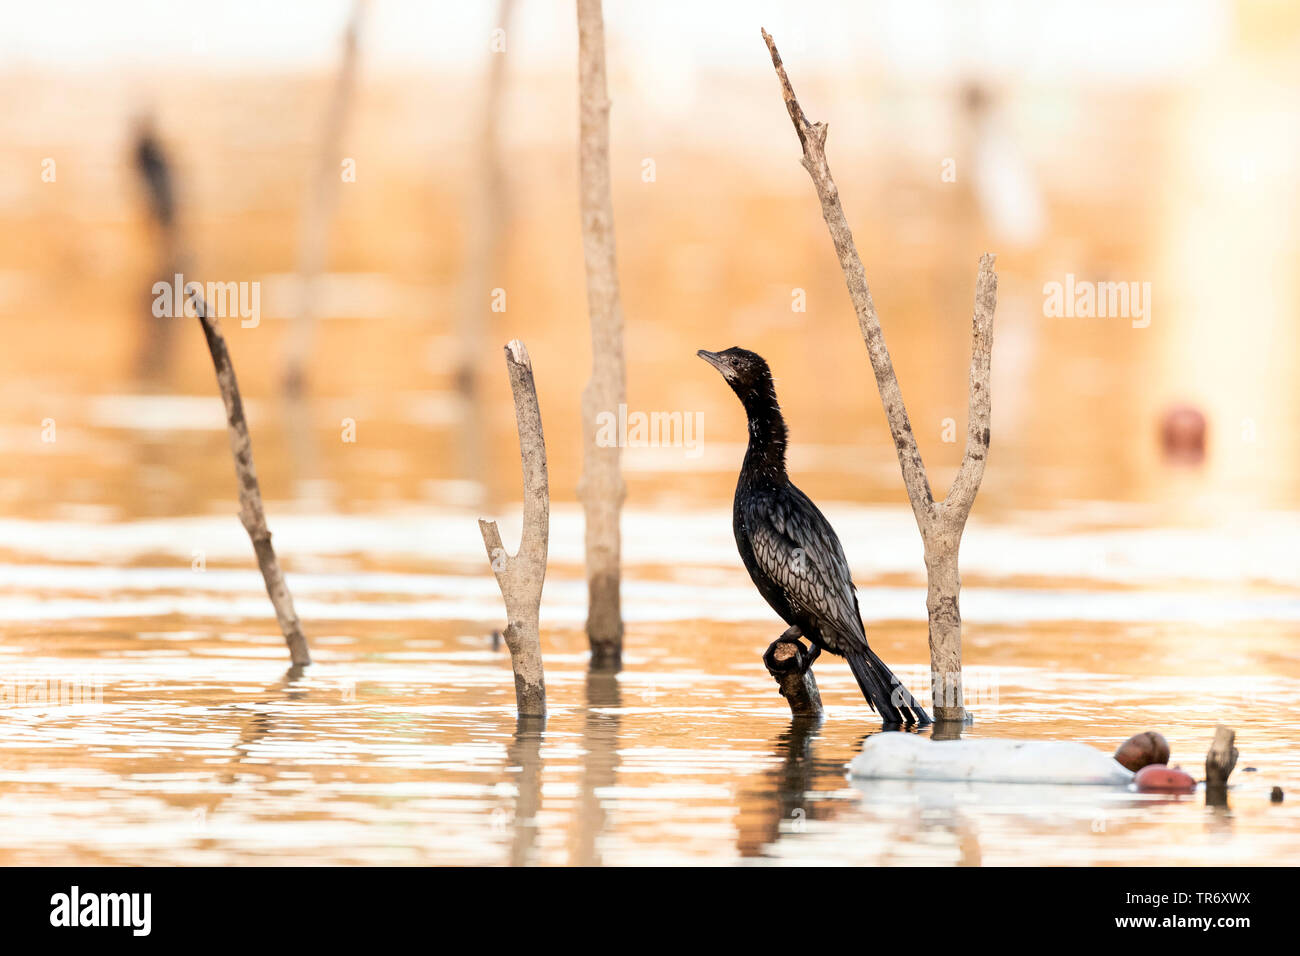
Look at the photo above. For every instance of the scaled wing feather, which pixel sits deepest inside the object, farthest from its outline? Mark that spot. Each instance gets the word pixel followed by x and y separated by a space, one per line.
pixel 796 546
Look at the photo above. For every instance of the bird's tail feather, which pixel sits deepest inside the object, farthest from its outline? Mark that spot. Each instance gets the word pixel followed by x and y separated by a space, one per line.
pixel 885 692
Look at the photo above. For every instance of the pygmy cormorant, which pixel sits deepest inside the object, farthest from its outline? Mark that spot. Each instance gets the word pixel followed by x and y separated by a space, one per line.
pixel 791 551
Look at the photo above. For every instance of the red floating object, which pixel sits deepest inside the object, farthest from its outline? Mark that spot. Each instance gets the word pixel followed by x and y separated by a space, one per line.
pixel 1158 778
pixel 1142 750
pixel 1182 434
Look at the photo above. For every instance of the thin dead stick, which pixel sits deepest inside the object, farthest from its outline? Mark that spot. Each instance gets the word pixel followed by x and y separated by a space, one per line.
pixel 940 523
pixel 601 488
pixel 1219 762
pixel 521 575
pixel 484 255
pixel 251 513
pixel 787 662
pixel 318 210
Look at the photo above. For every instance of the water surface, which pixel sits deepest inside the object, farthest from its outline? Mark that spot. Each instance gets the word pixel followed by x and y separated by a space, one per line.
pixel 181 738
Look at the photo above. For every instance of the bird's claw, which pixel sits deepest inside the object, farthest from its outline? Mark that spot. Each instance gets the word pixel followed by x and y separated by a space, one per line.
pixel 807 655
pixel 792 635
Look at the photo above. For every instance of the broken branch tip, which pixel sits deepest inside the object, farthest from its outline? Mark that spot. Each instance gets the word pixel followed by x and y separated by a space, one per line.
pixel 518 353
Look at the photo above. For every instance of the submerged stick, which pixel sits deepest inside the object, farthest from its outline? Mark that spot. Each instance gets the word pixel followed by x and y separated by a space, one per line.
pixel 521 575
pixel 788 663
pixel 941 523
pixel 601 487
pixel 251 513
pixel 1221 759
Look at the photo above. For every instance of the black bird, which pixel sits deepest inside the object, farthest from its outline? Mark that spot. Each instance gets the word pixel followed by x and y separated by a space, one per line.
pixel 791 551
pixel 152 164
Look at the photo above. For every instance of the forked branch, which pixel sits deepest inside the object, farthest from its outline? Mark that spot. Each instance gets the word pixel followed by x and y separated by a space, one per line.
pixel 521 575
pixel 941 523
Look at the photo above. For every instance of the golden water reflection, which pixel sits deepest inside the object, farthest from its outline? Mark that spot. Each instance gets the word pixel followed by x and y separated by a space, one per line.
pixel 400 746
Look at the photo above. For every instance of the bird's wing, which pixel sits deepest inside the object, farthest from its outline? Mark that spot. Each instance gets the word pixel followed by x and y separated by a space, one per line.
pixel 795 545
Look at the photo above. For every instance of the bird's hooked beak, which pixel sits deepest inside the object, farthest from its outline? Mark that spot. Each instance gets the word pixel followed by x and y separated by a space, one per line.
pixel 714 359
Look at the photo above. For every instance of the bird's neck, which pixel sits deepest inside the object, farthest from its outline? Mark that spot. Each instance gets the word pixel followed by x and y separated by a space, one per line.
pixel 765 458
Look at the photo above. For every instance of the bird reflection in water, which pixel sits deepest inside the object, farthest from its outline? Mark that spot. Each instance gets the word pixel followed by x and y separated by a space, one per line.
pixel 780 803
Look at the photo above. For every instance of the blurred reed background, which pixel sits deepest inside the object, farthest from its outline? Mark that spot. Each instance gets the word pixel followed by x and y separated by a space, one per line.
pixel 1151 143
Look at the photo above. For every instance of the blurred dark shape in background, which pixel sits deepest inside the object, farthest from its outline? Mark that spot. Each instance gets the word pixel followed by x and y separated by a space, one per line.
pixel 1182 434
pixel 155 171
pixel 157 176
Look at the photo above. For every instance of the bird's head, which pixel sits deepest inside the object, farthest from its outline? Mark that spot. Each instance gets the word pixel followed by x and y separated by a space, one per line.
pixel 750 378
pixel 745 371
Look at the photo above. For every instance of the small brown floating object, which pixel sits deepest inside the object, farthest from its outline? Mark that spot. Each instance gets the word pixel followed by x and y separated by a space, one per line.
pixel 1143 749
pixel 1182 433
pixel 1276 796
pixel 1157 778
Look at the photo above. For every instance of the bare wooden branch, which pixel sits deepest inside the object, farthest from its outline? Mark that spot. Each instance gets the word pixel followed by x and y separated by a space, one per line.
pixel 521 575
pixel 812 136
pixel 1221 758
pixel 940 523
pixel 318 209
pixel 967 483
pixel 251 513
pixel 601 488
pixel 788 663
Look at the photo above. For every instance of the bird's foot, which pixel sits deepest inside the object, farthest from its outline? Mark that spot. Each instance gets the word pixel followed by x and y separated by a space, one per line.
pixel 808 654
